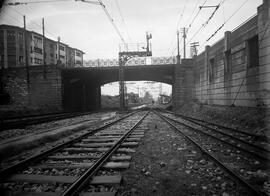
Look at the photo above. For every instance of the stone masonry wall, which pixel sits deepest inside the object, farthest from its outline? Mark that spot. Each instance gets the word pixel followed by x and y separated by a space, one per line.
pixel 228 73
pixel 183 85
pixel 41 95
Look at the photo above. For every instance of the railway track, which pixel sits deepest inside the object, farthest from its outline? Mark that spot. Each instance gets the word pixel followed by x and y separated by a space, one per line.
pixel 245 162
pixel 232 131
pixel 23 121
pixel 88 165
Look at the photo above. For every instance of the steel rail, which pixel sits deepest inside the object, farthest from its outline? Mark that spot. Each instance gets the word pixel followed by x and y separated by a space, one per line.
pixel 193 120
pixel 236 177
pixel 18 122
pixel 83 179
pixel 19 166
pixel 228 135
pixel 218 125
pixel 262 158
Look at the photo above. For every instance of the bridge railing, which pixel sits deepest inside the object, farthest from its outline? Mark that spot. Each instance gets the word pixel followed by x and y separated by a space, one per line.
pixel 132 62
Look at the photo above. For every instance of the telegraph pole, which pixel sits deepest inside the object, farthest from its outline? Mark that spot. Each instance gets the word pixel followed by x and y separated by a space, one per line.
pixel 26 53
pixel 193 48
pixel 58 51
pixel 178 52
pixel 44 49
pixel 184 37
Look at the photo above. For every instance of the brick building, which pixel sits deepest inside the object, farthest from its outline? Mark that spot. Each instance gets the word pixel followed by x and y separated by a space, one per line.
pixel 12 49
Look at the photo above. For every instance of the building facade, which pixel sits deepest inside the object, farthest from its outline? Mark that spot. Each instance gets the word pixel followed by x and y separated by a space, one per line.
pixel 12 49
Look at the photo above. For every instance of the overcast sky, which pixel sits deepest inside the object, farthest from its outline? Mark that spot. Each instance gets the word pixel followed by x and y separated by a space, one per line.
pixel 85 26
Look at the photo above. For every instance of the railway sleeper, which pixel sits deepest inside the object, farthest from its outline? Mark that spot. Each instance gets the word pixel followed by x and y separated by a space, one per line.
pixel 32 178
pixel 108 165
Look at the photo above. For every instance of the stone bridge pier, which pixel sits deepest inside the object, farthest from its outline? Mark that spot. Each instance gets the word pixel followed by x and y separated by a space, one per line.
pixel 183 83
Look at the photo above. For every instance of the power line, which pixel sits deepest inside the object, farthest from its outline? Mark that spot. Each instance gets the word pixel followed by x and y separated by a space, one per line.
pixel 122 18
pixel 111 20
pixel 226 21
pixel 11 17
pixel 189 26
pixel 33 2
pixel 192 11
pixel 55 36
pixel 177 24
pixel 207 21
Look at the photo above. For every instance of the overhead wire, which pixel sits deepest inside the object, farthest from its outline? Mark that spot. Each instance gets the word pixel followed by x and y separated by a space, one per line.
pixel 177 24
pixel 112 21
pixel 34 2
pixel 207 21
pixel 219 28
pixel 123 20
pixel 52 34
pixel 194 18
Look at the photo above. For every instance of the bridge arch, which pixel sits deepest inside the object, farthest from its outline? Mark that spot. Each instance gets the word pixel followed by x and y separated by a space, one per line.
pixel 81 86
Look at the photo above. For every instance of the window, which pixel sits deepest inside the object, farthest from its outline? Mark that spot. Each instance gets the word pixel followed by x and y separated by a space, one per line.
pixel 11 35
pixel 78 54
pixel 37 50
pixel 37 61
pixel 79 62
pixel 61 56
pixel 31 60
pixel 37 39
pixel 210 69
pixel 20 36
pixel 253 52
pixel 1 40
pixel 227 64
pixel 21 59
pixel 61 48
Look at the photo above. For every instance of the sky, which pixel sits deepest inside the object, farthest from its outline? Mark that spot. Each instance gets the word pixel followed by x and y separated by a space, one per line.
pixel 86 26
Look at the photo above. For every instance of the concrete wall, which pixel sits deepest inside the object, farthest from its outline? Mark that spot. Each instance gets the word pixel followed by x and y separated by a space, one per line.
pixel 40 96
pixel 227 72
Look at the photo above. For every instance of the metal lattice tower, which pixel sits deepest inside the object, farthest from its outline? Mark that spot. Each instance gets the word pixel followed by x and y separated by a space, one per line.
pixel 128 51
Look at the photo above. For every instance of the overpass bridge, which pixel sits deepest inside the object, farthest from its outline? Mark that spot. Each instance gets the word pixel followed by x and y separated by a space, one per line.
pixel 82 85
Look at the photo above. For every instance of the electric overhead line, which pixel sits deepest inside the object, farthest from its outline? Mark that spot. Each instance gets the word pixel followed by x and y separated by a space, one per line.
pixel 111 20
pixel 55 36
pixel 177 24
pixel 122 18
pixel 189 26
pixel 207 21
pixel 192 12
pixel 226 21
pixel 34 2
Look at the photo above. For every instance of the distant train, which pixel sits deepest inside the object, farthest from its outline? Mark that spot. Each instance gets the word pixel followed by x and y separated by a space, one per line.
pixel 131 62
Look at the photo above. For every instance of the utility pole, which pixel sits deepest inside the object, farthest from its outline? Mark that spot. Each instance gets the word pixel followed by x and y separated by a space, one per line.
pixel 148 37
pixel 26 53
pixel 193 48
pixel 44 49
pixel 184 30
pixel 178 52
pixel 58 51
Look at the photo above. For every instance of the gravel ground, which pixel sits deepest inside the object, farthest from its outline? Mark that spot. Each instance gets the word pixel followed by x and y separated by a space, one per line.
pixel 165 164
pixel 39 128
pixel 253 120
